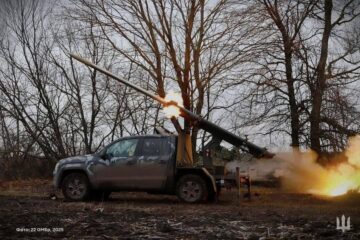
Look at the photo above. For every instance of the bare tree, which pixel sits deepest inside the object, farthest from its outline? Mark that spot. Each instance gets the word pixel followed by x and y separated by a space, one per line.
pixel 189 43
pixel 289 18
pixel 271 97
pixel 344 13
pixel 85 91
pixel 26 76
pixel 284 88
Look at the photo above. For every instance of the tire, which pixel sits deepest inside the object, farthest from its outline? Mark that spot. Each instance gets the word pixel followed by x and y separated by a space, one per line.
pixel 98 195
pixel 191 188
pixel 75 187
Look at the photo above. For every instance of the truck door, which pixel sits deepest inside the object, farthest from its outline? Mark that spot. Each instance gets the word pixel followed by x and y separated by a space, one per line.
pixel 153 163
pixel 119 168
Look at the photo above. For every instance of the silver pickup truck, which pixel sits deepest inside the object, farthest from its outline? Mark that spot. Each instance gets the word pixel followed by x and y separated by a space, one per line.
pixel 139 163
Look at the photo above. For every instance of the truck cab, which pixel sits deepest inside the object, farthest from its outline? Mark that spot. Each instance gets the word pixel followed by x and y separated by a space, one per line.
pixel 138 163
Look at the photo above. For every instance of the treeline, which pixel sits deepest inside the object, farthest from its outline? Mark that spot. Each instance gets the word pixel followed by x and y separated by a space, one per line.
pixel 290 68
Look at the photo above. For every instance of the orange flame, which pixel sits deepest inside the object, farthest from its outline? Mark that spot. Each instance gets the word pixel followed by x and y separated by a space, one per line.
pixel 171 110
pixel 303 174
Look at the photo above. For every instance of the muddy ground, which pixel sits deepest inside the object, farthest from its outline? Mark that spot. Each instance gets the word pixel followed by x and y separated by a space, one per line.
pixel 27 212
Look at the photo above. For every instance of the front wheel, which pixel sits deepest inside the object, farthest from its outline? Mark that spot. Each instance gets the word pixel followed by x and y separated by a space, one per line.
pixel 191 188
pixel 75 187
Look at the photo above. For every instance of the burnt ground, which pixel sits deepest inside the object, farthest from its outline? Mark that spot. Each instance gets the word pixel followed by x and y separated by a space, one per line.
pixel 27 212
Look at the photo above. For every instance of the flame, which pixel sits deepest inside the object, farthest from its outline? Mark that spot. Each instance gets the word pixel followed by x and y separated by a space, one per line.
pixel 171 110
pixel 303 173
pixel 338 182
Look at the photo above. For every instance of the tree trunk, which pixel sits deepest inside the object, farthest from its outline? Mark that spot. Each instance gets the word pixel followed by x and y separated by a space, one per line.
pixel 294 114
pixel 287 41
pixel 319 88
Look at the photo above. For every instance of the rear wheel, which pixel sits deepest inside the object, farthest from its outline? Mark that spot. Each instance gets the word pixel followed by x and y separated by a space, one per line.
pixel 75 187
pixel 191 188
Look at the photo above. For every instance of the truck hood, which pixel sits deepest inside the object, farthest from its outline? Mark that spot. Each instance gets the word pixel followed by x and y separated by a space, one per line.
pixel 77 159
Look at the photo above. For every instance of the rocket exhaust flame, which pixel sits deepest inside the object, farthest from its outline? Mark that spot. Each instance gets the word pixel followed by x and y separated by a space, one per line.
pixel 302 173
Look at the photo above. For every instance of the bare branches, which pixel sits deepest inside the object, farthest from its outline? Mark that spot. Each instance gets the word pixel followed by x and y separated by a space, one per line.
pixel 290 67
pixel 309 57
pixel 192 42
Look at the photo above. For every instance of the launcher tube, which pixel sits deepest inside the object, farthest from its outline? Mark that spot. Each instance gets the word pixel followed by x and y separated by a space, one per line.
pixel 106 72
pixel 210 127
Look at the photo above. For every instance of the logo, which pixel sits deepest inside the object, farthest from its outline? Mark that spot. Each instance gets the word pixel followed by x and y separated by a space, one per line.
pixel 345 224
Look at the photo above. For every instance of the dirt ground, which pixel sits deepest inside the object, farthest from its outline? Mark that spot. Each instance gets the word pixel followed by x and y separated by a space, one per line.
pixel 27 212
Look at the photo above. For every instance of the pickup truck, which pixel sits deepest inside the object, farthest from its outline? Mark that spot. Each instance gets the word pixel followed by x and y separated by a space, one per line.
pixel 160 163
pixel 138 163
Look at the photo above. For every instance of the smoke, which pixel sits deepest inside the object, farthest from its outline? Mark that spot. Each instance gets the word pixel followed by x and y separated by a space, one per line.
pixel 353 151
pixel 258 169
pixel 301 171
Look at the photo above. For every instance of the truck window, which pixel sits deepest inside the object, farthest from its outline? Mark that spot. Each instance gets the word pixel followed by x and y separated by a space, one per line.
pixel 122 148
pixel 152 147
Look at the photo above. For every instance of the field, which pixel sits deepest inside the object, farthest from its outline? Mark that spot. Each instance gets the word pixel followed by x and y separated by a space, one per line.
pixel 28 212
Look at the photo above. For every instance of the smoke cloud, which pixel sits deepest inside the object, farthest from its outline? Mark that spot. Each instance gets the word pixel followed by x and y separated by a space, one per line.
pixel 301 171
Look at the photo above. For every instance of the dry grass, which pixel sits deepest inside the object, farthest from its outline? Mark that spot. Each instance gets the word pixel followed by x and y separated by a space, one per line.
pixel 30 187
